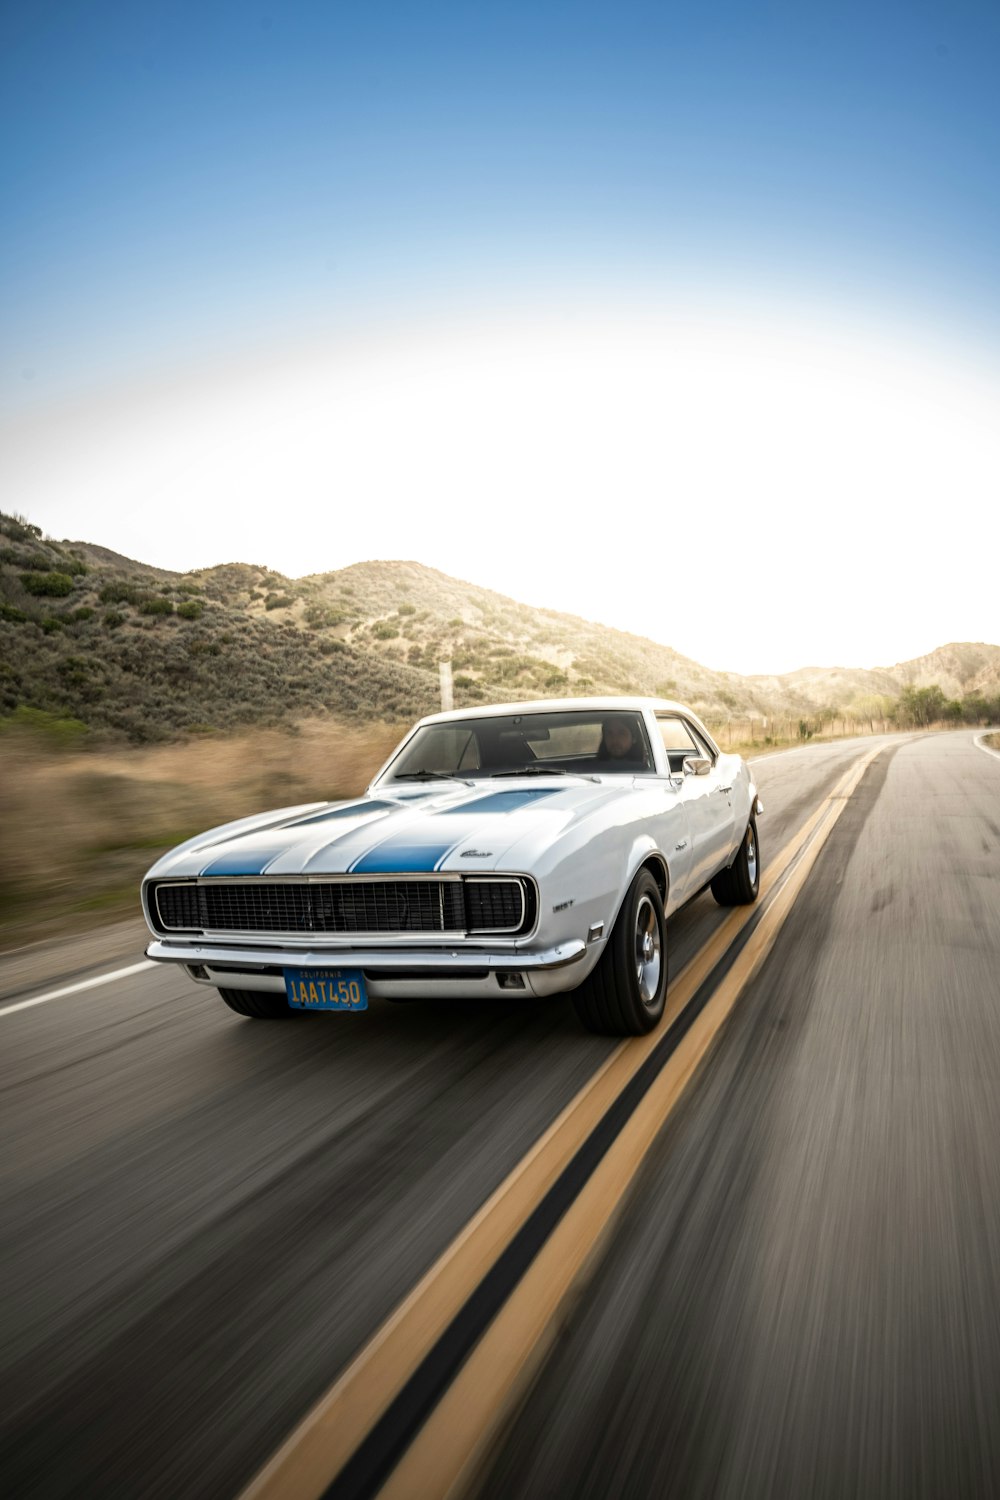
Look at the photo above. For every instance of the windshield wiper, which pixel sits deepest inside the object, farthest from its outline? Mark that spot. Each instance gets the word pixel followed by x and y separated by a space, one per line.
pixel 536 770
pixel 431 776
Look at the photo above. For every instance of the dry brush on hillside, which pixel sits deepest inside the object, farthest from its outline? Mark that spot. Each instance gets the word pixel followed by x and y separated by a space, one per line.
pixel 81 828
pixel 138 653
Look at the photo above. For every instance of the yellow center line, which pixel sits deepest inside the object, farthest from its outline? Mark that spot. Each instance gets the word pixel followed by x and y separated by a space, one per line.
pixel 316 1451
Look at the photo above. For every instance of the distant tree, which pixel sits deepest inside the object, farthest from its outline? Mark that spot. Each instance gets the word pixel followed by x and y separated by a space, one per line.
pixel 976 709
pixel 921 706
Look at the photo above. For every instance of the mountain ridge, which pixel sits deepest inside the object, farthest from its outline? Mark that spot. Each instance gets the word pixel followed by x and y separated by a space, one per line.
pixel 146 652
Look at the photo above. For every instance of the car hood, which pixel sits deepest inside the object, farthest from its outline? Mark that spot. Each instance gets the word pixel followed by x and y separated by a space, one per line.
pixel 460 829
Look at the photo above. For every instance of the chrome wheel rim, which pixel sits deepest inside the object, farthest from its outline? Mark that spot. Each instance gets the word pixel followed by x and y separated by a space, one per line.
pixel 751 856
pixel 648 951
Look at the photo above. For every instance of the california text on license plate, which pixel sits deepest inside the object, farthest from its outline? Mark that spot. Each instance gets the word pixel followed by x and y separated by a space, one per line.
pixel 326 989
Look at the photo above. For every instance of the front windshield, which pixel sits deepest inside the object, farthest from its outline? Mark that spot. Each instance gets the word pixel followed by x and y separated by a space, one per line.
pixel 583 741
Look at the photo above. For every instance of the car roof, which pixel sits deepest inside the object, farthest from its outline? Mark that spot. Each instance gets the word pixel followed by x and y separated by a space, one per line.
pixel 556 705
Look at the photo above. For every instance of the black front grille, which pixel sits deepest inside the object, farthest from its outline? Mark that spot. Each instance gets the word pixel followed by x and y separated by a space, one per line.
pixel 341 906
pixel 492 905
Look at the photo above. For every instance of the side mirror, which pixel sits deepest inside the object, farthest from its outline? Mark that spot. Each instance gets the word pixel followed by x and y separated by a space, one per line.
pixel 697 765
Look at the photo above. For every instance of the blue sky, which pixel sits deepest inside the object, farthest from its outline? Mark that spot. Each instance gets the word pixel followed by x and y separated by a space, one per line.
pixel 217 208
pixel 175 174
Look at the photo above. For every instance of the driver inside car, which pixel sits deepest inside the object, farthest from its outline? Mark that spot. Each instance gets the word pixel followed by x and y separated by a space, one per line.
pixel 620 741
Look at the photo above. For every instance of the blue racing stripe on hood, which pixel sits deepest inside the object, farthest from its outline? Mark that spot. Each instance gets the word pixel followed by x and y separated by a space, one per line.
pixel 397 855
pixel 251 861
pixel 498 802
pixel 407 850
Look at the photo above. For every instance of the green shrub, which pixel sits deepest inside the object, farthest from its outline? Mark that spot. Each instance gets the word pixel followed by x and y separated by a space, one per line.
pixel 113 618
pixel 407 609
pixel 76 669
pixel 189 588
pixel 83 613
pixel 52 623
pixel 190 609
pixel 156 606
pixel 12 613
pixel 383 631
pixel 120 592
pixel 278 601
pixel 322 616
pixel 48 585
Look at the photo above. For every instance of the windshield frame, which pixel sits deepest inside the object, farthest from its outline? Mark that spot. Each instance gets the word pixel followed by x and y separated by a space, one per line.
pixel 400 768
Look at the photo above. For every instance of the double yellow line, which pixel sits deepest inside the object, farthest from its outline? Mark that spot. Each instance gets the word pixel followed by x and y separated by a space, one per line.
pixel 341 1438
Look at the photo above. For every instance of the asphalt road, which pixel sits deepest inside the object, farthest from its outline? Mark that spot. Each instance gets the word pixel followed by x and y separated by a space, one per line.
pixel 202 1218
pixel 803 1298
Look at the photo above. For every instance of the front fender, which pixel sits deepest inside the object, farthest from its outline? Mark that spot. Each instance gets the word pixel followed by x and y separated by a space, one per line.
pixel 644 851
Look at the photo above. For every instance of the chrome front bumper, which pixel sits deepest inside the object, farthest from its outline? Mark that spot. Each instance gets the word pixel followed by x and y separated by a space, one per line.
pixel 389 972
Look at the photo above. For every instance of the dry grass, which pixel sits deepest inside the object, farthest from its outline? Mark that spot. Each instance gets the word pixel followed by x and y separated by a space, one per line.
pixel 80 830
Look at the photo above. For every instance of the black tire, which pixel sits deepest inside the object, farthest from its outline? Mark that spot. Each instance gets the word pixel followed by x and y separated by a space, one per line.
pixel 626 993
pixel 262 1005
pixel 738 886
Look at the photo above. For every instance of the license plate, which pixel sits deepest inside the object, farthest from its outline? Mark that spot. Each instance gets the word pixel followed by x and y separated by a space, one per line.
pixel 326 989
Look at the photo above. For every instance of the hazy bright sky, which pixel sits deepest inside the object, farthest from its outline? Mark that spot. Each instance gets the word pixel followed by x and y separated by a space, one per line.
pixel 686 319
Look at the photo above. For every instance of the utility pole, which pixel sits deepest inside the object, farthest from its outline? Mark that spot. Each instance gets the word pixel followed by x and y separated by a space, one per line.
pixel 447 690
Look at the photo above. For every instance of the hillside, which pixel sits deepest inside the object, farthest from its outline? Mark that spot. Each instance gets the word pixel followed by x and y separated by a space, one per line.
pixel 145 653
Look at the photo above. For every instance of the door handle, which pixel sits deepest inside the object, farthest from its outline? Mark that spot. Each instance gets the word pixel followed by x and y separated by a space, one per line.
pixel 725 788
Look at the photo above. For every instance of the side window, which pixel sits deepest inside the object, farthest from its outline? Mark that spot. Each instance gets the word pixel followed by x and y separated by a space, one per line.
pixel 676 736
pixel 704 748
pixel 678 741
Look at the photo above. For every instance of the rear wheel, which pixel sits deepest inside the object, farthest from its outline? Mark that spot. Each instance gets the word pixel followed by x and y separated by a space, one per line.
pixel 626 993
pixel 738 886
pixel 262 1005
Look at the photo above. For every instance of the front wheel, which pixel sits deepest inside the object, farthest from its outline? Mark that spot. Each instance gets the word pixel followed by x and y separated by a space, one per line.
pixel 626 992
pixel 739 884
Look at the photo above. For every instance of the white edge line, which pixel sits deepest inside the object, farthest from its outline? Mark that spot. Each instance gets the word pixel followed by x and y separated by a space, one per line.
pixel 987 749
pixel 73 989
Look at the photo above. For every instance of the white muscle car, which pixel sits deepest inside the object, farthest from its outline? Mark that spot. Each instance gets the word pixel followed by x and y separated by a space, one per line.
pixel 533 847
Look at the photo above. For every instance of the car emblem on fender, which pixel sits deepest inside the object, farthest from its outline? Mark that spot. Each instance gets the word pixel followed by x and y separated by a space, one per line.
pixel 476 854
